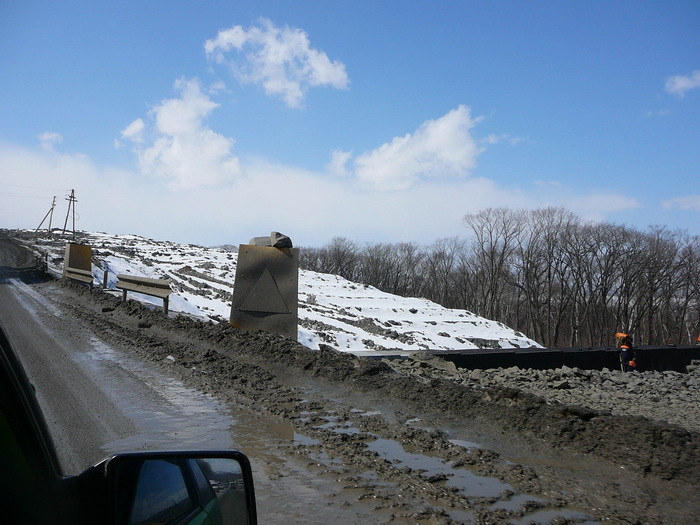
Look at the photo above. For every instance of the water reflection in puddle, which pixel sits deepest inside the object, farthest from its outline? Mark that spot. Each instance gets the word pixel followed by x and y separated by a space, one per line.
pixel 346 428
pixel 463 480
pixel 165 412
pixel 465 444
pixel 302 440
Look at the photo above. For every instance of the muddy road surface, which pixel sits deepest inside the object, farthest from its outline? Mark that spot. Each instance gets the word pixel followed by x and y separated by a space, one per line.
pixel 334 438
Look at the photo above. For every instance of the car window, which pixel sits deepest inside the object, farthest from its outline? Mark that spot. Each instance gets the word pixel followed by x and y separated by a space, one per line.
pixel 161 493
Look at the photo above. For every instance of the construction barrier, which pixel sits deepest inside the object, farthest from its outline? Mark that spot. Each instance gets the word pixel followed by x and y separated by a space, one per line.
pixel 660 358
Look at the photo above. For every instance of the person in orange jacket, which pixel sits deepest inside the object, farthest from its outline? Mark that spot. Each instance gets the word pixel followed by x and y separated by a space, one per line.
pixel 627 353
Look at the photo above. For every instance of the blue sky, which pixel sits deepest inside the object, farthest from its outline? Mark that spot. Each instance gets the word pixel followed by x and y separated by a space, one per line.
pixel 214 122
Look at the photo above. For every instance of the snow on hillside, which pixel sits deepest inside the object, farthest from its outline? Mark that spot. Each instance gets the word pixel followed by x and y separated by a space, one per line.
pixel 332 310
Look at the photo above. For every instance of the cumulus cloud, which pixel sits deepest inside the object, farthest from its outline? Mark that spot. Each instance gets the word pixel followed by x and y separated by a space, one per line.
pixel 681 84
pixel 338 164
pixel 439 149
pixel 177 148
pixel 49 139
pixel 496 139
pixel 309 206
pixel 280 59
pixel 421 213
pixel 688 202
pixel 134 131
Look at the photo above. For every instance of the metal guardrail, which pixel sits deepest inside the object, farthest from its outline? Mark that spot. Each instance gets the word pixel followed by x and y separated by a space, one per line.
pixel 145 285
pixel 77 274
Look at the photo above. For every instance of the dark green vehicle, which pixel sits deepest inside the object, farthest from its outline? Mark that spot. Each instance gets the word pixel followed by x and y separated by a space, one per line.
pixel 174 488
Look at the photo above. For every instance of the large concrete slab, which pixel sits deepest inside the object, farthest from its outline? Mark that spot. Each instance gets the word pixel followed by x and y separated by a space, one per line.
pixel 265 292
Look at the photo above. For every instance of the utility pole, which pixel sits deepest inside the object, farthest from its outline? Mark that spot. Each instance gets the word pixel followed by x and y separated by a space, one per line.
pixel 71 204
pixel 49 214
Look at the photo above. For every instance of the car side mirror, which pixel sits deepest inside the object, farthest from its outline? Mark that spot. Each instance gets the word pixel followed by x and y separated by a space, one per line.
pixel 208 487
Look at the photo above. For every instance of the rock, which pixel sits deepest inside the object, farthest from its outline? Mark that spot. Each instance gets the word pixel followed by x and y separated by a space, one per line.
pixel 477 374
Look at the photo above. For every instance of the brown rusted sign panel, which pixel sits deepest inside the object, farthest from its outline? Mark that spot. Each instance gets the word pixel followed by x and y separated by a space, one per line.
pixel 265 292
pixel 78 256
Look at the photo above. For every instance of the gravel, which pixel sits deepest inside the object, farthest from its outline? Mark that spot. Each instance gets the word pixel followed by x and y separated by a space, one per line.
pixel 668 396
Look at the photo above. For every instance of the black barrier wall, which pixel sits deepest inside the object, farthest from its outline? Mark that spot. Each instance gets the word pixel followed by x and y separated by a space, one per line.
pixel 649 358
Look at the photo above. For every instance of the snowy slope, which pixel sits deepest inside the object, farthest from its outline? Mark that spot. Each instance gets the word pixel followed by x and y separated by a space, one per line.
pixel 334 311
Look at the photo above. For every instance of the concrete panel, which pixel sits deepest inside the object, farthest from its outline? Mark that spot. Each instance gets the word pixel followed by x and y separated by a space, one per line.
pixel 265 292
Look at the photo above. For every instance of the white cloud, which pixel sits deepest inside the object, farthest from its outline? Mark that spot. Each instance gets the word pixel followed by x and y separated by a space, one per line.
pixel 602 203
pixel 48 139
pixel 338 164
pixel 439 149
pixel 590 207
pixel 681 84
pixel 659 113
pixel 310 207
pixel 688 202
pixel 313 209
pixel 280 59
pixel 218 87
pixel 495 139
pixel 177 148
pixel 134 131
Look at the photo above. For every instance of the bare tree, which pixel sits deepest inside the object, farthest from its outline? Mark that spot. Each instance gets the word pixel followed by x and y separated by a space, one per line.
pixel 543 272
pixel 495 232
pixel 439 267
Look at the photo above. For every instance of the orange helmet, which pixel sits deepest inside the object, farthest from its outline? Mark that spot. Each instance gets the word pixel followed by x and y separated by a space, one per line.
pixel 620 335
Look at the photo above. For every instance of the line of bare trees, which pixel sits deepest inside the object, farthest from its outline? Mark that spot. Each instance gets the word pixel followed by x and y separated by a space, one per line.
pixel 545 272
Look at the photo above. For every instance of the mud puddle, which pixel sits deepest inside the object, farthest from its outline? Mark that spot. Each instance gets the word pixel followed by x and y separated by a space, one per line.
pixel 186 418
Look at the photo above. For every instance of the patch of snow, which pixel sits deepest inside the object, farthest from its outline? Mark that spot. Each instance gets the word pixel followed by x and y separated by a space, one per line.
pixel 348 316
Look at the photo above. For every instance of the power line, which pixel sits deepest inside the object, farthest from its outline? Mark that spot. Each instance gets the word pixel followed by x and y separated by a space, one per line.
pixel 32 187
pixel 22 196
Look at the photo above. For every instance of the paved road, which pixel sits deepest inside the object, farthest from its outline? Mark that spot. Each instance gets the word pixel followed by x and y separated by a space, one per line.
pixel 96 399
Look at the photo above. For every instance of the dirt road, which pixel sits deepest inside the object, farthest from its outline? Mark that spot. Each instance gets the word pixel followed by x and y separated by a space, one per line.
pixel 334 438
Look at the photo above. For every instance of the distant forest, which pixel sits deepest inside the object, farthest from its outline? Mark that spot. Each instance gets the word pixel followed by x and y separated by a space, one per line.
pixel 547 273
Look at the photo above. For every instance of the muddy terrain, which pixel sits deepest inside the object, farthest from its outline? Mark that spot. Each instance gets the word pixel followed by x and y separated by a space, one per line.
pixel 414 441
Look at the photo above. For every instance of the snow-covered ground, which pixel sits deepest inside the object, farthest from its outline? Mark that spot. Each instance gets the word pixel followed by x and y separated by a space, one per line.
pixel 332 310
